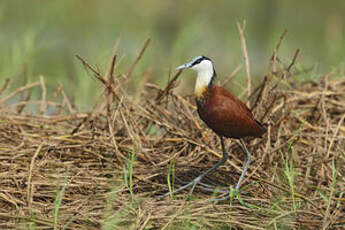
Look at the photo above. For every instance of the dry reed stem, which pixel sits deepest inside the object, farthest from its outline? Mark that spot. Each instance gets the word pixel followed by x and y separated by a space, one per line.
pixel 272 68
pixel 241 30
pixel 5 86
pixel 140 54
pixel 169 86
pixel 232 75
pixel 17 91
pixel 111 68
pixel 43 106
pixel 97 75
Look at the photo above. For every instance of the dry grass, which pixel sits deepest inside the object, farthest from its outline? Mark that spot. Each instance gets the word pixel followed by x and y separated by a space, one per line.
pixel 72 170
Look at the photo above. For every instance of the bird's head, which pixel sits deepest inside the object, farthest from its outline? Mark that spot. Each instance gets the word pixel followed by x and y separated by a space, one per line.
pixel 201 64
pixel 206 73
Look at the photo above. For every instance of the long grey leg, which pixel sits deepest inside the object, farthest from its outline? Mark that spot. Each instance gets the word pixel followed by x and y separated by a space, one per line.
pixel 238 185
pixel 245 167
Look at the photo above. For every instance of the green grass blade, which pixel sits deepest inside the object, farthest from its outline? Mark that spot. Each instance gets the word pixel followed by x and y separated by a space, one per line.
pixel 58 199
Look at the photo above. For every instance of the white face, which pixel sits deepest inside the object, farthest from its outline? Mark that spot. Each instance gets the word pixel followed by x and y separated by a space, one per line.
pixel 205 67
pixel 199 64
pixel 205 72
pixel 205 75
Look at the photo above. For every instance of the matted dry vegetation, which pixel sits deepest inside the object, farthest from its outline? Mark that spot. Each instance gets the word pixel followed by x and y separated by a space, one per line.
pixel 72 169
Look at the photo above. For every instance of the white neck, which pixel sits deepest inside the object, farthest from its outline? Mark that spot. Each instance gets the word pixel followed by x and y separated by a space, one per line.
pixel 202 81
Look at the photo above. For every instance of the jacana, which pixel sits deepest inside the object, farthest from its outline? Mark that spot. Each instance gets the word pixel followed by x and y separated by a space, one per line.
pixel 222 112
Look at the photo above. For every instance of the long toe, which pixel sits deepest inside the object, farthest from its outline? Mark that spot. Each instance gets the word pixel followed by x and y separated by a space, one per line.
pixel 208 187
pixel 195 182
pixel 192 183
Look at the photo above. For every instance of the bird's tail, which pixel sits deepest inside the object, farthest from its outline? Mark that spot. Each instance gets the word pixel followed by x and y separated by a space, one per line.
pixel 261 127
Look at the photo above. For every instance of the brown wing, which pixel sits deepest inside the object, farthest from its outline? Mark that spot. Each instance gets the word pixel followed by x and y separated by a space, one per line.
pixel 228 116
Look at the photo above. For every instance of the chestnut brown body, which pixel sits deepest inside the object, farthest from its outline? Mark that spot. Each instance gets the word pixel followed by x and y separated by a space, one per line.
pixel 226 115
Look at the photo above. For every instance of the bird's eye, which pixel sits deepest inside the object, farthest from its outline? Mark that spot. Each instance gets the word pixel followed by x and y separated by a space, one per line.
pixel 197 61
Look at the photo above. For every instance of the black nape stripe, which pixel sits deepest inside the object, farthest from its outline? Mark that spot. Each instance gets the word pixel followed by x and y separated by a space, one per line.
pixel 200 60
pixel 213 78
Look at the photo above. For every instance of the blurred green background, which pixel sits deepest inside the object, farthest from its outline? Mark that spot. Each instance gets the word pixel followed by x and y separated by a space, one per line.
pixel 40 37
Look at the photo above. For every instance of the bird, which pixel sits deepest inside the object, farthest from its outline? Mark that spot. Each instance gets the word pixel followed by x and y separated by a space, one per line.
pixel 223 113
